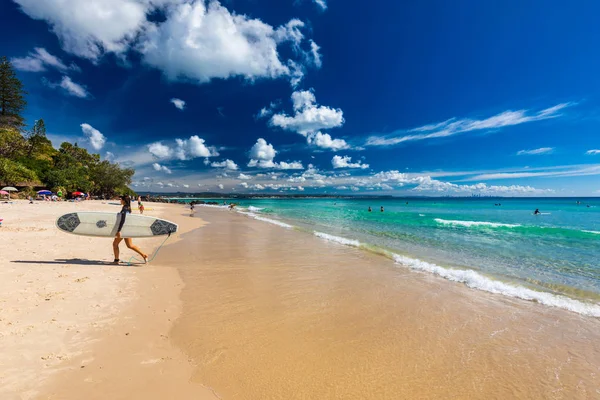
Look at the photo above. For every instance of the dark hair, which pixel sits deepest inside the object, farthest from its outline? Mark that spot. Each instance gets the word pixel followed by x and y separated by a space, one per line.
pixel 127 201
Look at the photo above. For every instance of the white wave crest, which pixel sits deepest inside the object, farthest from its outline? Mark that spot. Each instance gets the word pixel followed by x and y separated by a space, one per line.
pixel 337 239
pixel 271 221
pixel 477 281
pixel 474 223
pixel 594 232
pixel 254 209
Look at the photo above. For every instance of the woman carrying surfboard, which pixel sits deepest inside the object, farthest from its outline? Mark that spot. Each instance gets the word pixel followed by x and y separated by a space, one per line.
pixel 126 203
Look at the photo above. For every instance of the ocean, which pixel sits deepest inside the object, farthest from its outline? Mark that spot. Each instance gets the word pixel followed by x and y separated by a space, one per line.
pixel 492 244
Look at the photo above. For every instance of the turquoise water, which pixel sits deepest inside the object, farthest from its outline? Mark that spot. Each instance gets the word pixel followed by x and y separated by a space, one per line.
pixel 557 252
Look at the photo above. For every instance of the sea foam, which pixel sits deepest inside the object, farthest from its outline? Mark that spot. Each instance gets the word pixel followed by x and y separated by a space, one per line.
pixel 470 278
pixel 254 209
pixel 337 239
pixel 271 221
pixel 469 224
pixel 477 281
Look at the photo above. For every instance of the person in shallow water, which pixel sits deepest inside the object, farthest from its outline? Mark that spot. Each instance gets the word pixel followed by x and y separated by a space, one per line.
pixel 537 211
pixel 381 208
pixel 126 203
pixel 370 209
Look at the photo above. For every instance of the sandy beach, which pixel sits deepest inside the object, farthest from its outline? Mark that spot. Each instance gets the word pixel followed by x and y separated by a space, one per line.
pixel 243 309
pixel 67 315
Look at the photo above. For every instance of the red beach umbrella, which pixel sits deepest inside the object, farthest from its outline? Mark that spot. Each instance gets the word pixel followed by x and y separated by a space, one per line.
pixel 77 193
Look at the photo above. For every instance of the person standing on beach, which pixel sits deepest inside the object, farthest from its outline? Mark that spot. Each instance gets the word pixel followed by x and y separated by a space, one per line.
pixel 126 203
pixel 140 205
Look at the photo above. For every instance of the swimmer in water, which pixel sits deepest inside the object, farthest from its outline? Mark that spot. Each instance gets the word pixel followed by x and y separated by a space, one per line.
pixel 537 211
pixel 370 209
pixel 381 208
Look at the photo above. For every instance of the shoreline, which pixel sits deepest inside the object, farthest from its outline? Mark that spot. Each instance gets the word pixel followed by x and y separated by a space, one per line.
pixel 332 321
pixel 240 308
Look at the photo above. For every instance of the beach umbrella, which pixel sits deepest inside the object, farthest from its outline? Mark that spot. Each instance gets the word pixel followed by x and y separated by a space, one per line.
pixel 77 193
pixel 3 192
pixel 9 189
pixel 44 192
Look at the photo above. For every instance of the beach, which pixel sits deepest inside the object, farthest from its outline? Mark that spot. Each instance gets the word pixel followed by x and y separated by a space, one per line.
pixel 73 325
pixel 238 308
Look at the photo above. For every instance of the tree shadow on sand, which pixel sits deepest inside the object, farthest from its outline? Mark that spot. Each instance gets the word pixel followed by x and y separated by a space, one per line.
pixel 76 261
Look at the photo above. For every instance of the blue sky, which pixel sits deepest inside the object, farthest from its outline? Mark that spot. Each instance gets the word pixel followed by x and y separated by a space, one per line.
pixel 315 96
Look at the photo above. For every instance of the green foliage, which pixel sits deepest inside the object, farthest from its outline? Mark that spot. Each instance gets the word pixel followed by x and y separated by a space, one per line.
pixel 13 173
pixel 33 159
pixel 12 102
pixel 12 144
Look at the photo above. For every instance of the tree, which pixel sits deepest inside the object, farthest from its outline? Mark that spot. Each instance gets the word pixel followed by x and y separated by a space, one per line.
pixel 36 139
pixel 12 143
pixel 110 179
pixel 12 102
pixel 13 173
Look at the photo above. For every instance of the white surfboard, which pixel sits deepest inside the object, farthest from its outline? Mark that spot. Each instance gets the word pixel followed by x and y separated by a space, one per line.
pixel 104 224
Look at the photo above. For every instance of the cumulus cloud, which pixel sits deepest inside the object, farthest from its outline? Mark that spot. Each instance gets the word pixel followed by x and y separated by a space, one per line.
pixel 453 127
pixel 89 28
pixel 95 137
pixel 197 41
pixel 227 164
pixel 158 167
pixel 324 141
pixel 38 60
pixel 262 155
pixel 346 162
pixel 220 186
pixel 180 104
pixel 244 177
pixel 184 149
pixel 309 117
pixel 159 150
pixel 592 152
pixel 542 150
pixel 186 186
pixel 109 156
pixel 267 111
pixel 193 147
pixel 200 42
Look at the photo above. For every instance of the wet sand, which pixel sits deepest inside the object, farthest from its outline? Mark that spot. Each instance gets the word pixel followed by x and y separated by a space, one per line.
pixel 273 313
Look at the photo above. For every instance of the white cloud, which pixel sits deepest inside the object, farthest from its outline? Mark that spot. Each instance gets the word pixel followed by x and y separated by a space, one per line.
pixel 220 186
pixel 541 150
pixel 159 150
pixel 262 151
pixel 73 88
pixel 592 152
pixel 321 3
pixel 109 156
pixel 324 141
pixel 199 40
pixel 262 155
pixel 96 138
pixel 180 104
pixel 454 127
pixel 244 184
pixel 186 186
pixel 185 149
pixel 193 147
pixel 316 56
pixel 200 43
pixel 346 162
pixel 38 60
pixel 158 167
pixel 88 28
pixel 267 111
pixel 227 164
pixel 308 116
pixel 70 87
pixel 244 177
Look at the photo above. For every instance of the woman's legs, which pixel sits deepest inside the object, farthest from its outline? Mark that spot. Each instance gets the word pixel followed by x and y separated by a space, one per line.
pixel 135 248
pixel 116 247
